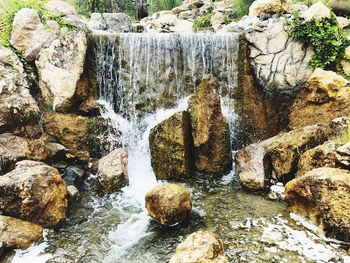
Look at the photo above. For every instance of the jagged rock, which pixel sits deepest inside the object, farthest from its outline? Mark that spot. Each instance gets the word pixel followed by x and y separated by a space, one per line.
pixel 283 154
pixel 279 63
pixel 73 193
pixel 35 192
pixel 168 203
pixel 317 11
pixel 14 149
pixel 60 67
pixel 326 97
pixel 60 7
pixel 112 22
pixel 321 156
pixel 171 146
pixel 30 35
pixel 113 170
pixel 343 155
pixel 74 176
pixel 201 246
pixel 210 129
pixel 18 107
pixel 264 7
pixel 323 196
pixel 16 233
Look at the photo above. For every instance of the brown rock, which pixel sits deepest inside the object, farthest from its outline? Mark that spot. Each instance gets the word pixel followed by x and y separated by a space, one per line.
pixel 210 129
pixel 264 7
pixel 168 203
pixel 323 195
pixel 16 233
pixel 35 192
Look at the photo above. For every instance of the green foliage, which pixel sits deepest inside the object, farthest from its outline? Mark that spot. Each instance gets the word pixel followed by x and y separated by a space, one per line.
pixel 324 36
pixel 48 106
pixel 344 136
pixel 203 22
pixel 160 5
pixel 241 7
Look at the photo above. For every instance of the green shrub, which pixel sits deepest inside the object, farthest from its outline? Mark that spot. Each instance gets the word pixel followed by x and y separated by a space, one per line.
pixel 203 22
pixel 241 7
pixel 160 5
pixel 324 36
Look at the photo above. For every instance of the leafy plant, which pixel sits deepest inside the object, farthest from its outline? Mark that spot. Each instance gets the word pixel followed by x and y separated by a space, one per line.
pixel 160 5
pixel 203 22
pixel 324 36
pixel 241 7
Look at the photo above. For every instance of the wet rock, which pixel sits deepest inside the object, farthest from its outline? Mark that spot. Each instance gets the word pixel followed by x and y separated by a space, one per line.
pixel 112 22
pixel 326 97
pixel 171 147
pixel 317 11
pixel 168 203
pixel 322 195
pixel 18 107
pixel 266 7
pixel 113 170
pixel 16 233
pixel 276 192
pixel 30 35
pixel 73 193
pixel 90 108
pixel 201 246
pixel 35 192
pixel 210 129
pixel 74 176
pixel 60 8
pixel 60 67
pixel 57 151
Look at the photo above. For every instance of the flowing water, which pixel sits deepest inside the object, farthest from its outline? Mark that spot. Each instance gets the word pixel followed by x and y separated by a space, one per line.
pixel 143 79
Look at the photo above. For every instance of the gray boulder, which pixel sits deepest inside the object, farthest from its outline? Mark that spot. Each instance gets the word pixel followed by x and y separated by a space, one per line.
pixel 112 22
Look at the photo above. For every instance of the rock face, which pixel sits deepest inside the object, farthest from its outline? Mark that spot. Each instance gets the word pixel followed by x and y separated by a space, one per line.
pixel 35 192
pixel 113 170
pixel 16 233
pixel 171 146
pixel 210 129
pixel 280 64
pixel 168 203
pixel 30 35
pixel 201 246
pixel 264 7
pixel 18 107
pixel 60 67
pixel 326 97
pixel 112 22
pixel 323 196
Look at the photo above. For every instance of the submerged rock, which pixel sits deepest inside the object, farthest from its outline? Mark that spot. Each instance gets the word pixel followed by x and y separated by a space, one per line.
pixel 269 7
pixel 168 203
pixel 201 246
pixel 113 170
pixel 171 147
pixel 210 129
pixel 35 192
pixel 16 233
pixel 323 195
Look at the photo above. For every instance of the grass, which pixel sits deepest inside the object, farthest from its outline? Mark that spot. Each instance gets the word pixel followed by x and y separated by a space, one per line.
pixel 344 137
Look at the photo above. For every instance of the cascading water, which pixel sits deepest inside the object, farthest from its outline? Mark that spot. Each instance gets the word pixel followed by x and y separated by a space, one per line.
pixel 143 79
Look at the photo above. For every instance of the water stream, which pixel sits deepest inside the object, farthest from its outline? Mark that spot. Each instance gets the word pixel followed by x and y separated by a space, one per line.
pixel 143 79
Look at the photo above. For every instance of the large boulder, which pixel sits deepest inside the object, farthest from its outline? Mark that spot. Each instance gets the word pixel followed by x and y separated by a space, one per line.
pixel 317 11
pixel 60 67
pixel 171 147
pixel 30 35
pixel 16 233
pixel 323 196
pixel 201 246
pixel 265 7
pixel 34 192
pixel 326 97
pixel 113 170
pixel 168 203
pixel 210 129
pixel 18 107
pixel 112 22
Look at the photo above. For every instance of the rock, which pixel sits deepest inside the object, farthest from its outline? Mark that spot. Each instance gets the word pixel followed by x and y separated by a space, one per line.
pixel 112 22
pixel 343 22
pixel 73 193
pixel 317 11
pixel 283 154
pixel 16 233
pixel 279 63
pixel 343 155
pixel 322 195
pixel 321 156
pixel 74 176
pixel 166 22
pixel 14 149
pixel 18 107
pixel 265 7
pixel 35 192
pixel 217 20
pixel 200 246
pixel 168 203
pixel 30 35
pixel 326 97
pixel 60 67
pixel 57 151
pixel 171 147
pixel 276 192
pixel 210 129
pixel 90 108
pixel 60 7
pixel 113 170
pixel 345 63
